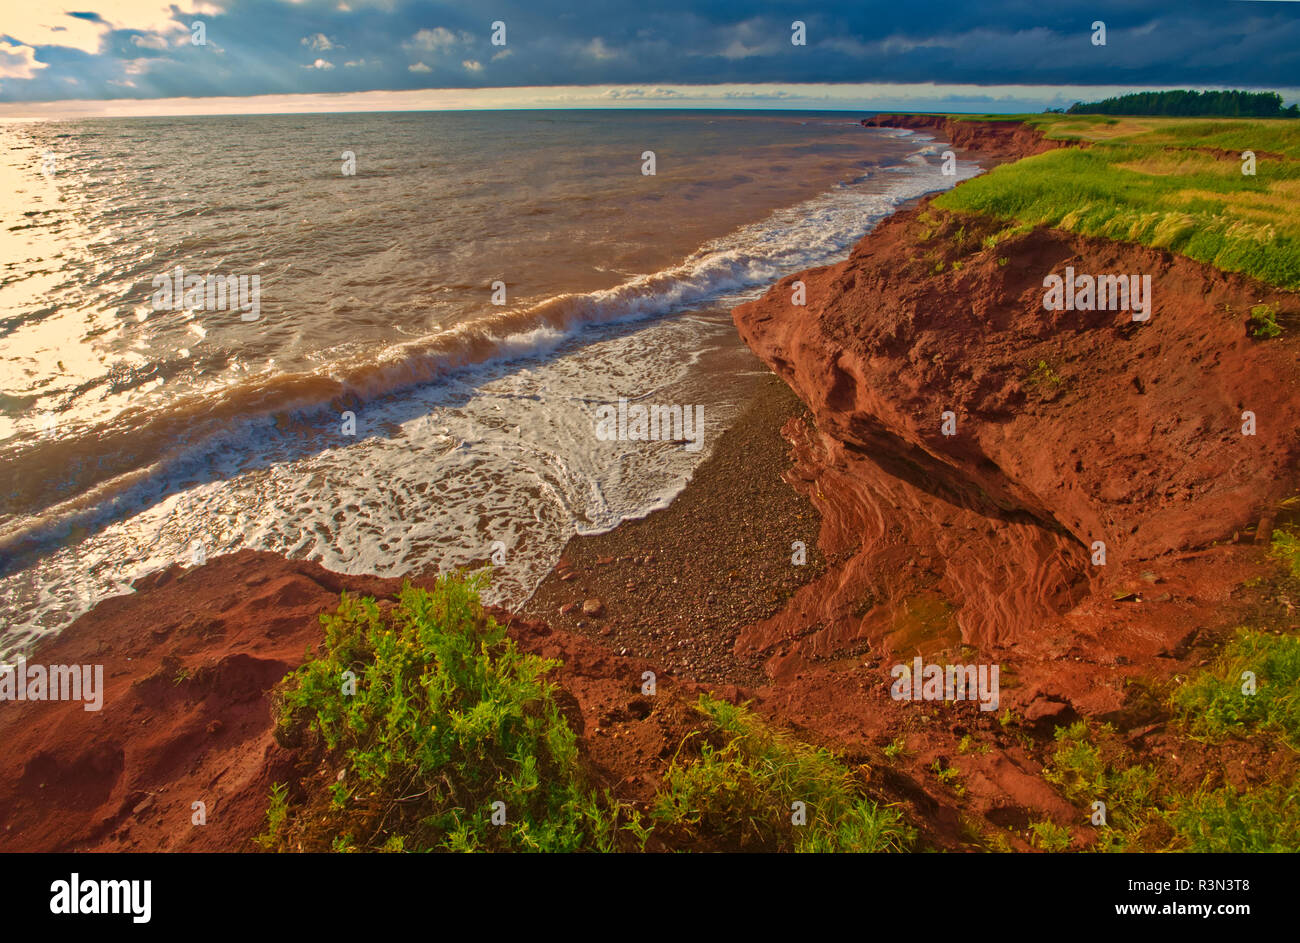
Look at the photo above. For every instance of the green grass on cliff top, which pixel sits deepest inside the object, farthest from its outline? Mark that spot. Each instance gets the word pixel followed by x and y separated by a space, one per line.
pixel 1169 183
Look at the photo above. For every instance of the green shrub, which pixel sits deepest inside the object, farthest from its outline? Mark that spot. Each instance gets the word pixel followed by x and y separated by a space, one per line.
pixel 1263 322
pixel 1090 765
pixel 1215 706
pixel 1266 818
pixel 447 718
pixel 738 790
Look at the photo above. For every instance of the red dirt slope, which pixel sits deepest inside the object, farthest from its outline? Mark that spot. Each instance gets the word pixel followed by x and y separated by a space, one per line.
pixel 189 660
pixel 1127 433
pixel 999 140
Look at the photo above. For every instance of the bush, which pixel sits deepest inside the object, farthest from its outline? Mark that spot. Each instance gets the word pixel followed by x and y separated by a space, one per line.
pixel 1214 705
pixel 1266 818
pixel 736 793
pixel 1263 322
pixel 447 718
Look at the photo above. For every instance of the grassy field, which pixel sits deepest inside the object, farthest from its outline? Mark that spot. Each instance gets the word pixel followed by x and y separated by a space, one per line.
pixel 1170 183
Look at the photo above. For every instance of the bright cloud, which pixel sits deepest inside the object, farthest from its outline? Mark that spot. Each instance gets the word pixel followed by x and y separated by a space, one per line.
pixel 319 42
pixel 438 39
pixel 18 61
pixel 52 24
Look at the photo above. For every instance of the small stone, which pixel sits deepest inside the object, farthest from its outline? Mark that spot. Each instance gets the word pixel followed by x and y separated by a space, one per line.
pixel 568 608
pixel 604 561
pixel 593 607
pixel 566 577
pixel 144 806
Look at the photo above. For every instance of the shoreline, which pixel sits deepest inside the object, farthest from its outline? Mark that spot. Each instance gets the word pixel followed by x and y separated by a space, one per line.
pixel 674 586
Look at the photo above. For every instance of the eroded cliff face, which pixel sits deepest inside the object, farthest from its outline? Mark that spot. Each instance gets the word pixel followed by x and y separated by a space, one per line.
pixel 1001 140
pixel 1072 428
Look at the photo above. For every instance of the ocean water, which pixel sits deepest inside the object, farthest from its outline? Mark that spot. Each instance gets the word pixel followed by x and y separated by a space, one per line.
pixel 382 413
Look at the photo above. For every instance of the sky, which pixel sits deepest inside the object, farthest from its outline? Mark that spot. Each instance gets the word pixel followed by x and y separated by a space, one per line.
pixel 87 57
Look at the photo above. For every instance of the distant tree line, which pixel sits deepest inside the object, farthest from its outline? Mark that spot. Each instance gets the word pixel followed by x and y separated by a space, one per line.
pixel 1190 104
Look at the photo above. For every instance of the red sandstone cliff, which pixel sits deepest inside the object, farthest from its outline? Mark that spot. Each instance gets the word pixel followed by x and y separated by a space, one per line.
pixel 1072 428
pixel 1001 140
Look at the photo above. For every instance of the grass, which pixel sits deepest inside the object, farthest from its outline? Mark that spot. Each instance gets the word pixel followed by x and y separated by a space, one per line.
pixel 739 780
pixel 1090 764
pixel 1215 705
pixel 1144 812
pixel 1263 322
pixel 1286 548
pixel 1261 135
pixel 1152 181
pixel 1265 820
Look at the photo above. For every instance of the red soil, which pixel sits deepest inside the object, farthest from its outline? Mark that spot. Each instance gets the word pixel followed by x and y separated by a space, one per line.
pixel 189 660
pixel 999 140
pixel 975 548
pixel 1133 438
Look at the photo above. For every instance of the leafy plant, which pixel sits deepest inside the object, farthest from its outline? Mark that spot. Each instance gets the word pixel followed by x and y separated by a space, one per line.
pixel 948 775
pixel 1217 703
pixel 1042 374
pixel 1286 547
pixel 1049 836
pixel 1263 322
pixel 1265 819
pixel 276 815
pixel 897 747
pixel 447 720
pixel 733 784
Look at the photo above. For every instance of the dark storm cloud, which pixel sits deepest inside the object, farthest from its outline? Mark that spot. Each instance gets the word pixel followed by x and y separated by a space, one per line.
pixel 273 46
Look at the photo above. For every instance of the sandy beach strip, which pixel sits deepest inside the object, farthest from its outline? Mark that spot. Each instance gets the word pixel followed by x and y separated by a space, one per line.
pixel 676 586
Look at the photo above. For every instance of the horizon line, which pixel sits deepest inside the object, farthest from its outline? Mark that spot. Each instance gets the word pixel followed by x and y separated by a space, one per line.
pixel 959 98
